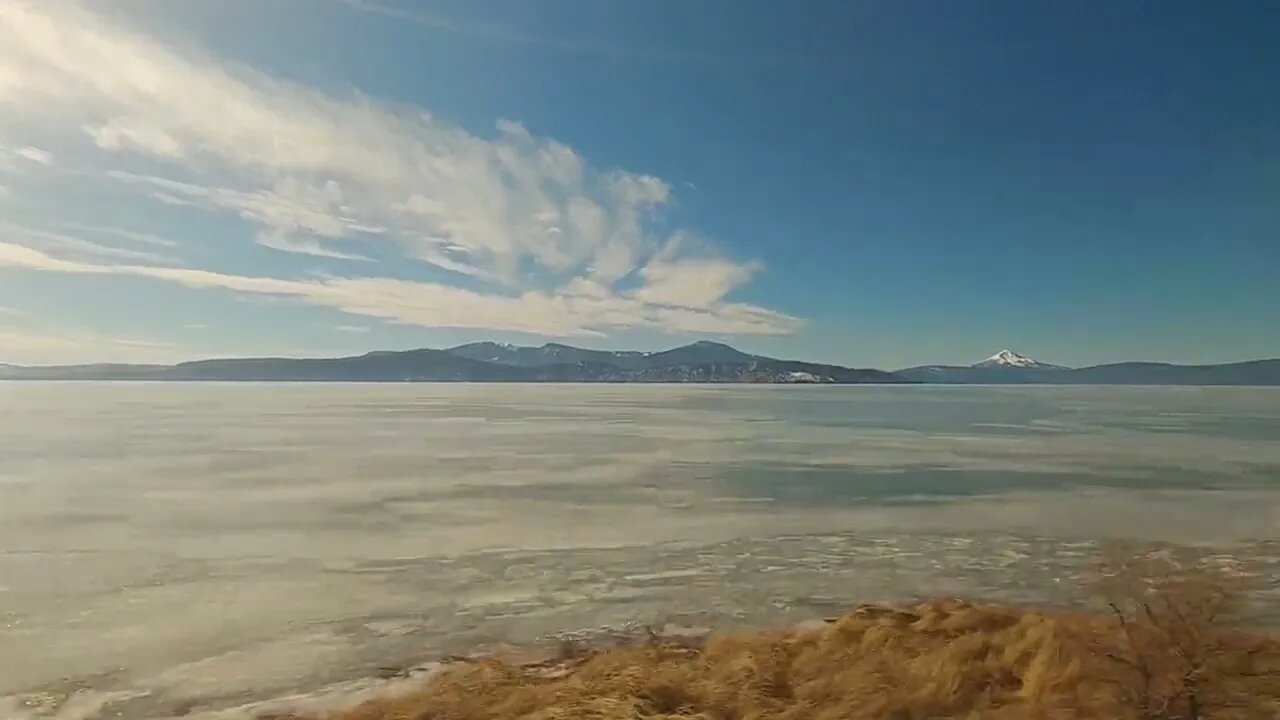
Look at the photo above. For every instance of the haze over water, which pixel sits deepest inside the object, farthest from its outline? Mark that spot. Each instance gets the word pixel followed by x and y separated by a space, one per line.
pixel 205 545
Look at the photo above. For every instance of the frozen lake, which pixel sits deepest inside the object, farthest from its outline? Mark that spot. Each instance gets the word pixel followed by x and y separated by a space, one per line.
pixel 202 545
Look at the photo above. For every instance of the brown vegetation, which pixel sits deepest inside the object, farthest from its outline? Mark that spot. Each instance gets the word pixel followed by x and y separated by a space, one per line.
pixel 1163 649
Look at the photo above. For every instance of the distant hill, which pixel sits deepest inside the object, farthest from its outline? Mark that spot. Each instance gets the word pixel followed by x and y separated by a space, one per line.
pixel 704 362
pixel 1256 372
pixel 1009 368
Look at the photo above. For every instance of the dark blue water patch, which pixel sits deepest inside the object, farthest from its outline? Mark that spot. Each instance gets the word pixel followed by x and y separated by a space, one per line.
pixel 690 485
pixel 824 485
pixel 939 410
pixel 1234 427
pixel 597 493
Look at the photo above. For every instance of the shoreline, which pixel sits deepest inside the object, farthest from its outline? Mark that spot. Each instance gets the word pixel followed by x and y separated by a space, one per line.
pixel 553 666
pixel 321 695
pixel 939 658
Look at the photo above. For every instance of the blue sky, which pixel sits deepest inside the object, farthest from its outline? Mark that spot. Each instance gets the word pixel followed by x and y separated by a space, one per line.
pixel 874 184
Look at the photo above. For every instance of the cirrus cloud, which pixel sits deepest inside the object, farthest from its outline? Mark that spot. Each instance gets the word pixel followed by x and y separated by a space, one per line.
pixel 515 231
pixel 22 345
pixel 578 310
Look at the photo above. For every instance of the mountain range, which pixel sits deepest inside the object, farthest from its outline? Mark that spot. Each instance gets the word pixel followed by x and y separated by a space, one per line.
pixel 701 362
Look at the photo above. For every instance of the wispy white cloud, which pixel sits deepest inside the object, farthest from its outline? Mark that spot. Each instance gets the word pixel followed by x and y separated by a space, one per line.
pixel 691 282
pixel 353 329
pixel 505 35
pixel 304 246
pixel 506 216
pixel 20 256
pixel 20 159
pixel 124 233
pixel 441 22
pixel 74 246
pixel 123 133
pixel 50 347
pixel 579 310
pixel 35 155
pixel 292 214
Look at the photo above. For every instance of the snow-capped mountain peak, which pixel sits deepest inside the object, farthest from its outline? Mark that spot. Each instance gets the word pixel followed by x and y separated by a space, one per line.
pixel 1009 358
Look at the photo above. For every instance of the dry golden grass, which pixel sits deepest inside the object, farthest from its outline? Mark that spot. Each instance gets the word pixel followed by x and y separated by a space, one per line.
pixel 1149 658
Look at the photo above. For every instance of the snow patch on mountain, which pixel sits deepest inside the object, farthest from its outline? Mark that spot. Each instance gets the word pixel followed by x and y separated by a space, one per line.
pixel 803 377
pixel 1009 358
